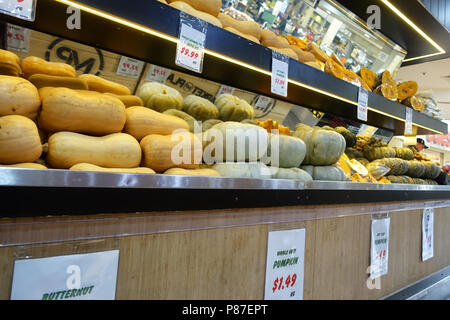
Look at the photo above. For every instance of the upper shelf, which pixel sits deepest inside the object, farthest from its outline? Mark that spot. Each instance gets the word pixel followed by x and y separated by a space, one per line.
pixel 148 31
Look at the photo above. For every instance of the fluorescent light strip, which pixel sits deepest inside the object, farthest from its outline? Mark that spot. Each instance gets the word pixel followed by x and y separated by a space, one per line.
pixel 416 28
pixel 218 55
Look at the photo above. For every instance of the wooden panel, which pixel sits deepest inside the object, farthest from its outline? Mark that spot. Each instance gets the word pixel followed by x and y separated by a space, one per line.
pixel 83 58
pixel 229 263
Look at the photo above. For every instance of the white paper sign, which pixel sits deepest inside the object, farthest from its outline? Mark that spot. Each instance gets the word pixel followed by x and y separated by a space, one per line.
pixel 285 265
pixel 263 102
pixel 280 71
pixel 427 234
pixel 18 38
pixel 23 9
pixel 190 48
pixel 408 118
pixel 157 74
pixel 379 247
pixel 129 67
pixel 225 90
pixel 363 98
pixel 89 276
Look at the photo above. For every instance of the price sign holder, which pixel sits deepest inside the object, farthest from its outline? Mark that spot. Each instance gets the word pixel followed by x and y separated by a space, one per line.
pixel 225 90
pixel 157 74
pixel 280 73
pixel 22 9
pixel 129 67
pixel 17 38
pixel 191 43
pixel 427 234
pixel 363 99
pixel 408 118
pixel 285 265
pixel 379 245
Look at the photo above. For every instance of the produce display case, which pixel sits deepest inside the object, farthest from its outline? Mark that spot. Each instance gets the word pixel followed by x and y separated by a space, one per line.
pixel 132 209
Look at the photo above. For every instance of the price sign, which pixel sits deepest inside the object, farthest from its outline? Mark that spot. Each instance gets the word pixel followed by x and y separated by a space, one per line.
pixel 285 265
pixel 89 276
pixel 363 98
pixel 263 102
pixel 280 70
pixel 129 67
pixel 379 247
pixel 225 90
pixel 427 234
pixel 191 44
pixel 22 9
pixel 18 38
pixel 408 125
pixel 157 74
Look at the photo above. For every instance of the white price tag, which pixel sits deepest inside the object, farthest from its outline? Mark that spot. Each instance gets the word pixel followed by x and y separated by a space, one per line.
pixel 129 67
pixel 225 90
pixel 363 98
pixel 285 265
pixel 280 70
pixel 23 9
pixel 379 247
pixel 89 276
pixel 157 74
pixel 427 234
pixel 408 118
pixel 190 48
pixel 18 38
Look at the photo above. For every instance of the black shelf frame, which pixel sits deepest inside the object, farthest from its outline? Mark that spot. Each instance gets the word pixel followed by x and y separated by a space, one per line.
pixel 308 87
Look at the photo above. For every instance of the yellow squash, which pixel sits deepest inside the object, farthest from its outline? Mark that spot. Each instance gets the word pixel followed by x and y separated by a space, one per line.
pixel 117 150
pixel 193 172
pixel 94 168
pixel 19 140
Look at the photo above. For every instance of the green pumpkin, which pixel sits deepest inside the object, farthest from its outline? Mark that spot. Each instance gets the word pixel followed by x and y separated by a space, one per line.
pixel 404 153
pixel 182 115
pixel 249 170
pixel 323 147
pixel 379 153
pixel 364 161
pixel 292 174
pixel 419 181
pixel 291 150
pixel 325 173
pixel 353 153
pixel 431 182
pixel 350 137
pixel 232 108
pixel 208 124
pixel 416 169
pixel 432 170
pixel 200 108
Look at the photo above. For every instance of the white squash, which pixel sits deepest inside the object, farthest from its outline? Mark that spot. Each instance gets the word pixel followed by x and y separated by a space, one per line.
pixel 292 174
pixel 291 151
pixel 325 173
pixel 251 170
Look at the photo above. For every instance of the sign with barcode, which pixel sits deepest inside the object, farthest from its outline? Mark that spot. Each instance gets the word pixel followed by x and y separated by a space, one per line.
pixel 363 99
pixel 130 67
pixel 379 249
pixel 280 70
pixel 225 90
pixel 157 74
pixel 408 118
pixel 191 44
pixel 22 9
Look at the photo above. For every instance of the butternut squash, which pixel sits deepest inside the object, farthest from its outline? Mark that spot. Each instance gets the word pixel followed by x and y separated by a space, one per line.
pixel 9 63
pixel 246 27
pixel 91 167
pixel 369 76
pixel 117 150
pixel 128 100
pixel 243 35
pixel 286 51
pixel 179 150
pixel 268 35
pixel 18 96
pixel 44 80
pixel 183 6
pixel 142 122
pixel 96 83
pixel 26 165
pixel 19 140
pixel 303 56
pixel 320 55
pixel 34 65
pixel 80 111
pixel 407 90
pixel 211 7
pixel 193 172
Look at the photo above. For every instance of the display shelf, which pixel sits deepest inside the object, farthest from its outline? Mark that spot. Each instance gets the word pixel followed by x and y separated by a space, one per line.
pixel 73 192
pixel 148 31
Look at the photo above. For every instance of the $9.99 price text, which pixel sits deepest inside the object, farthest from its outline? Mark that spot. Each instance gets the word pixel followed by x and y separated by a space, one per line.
pixel 281 283
pixel 191 53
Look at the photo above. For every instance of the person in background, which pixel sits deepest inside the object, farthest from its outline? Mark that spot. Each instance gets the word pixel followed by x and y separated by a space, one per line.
pixel 420 145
